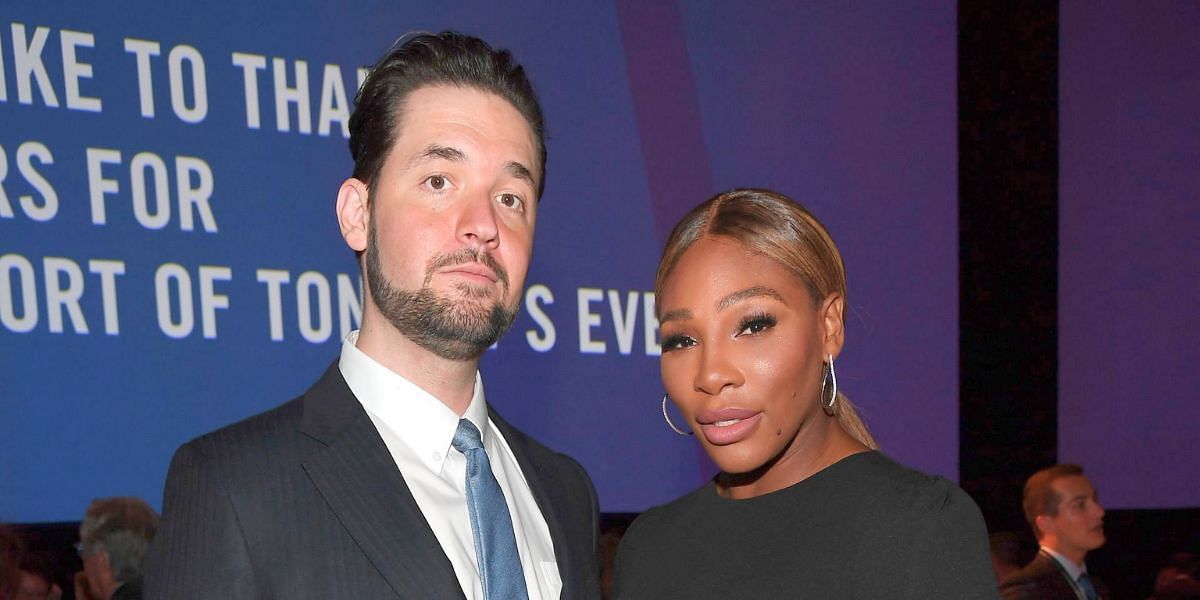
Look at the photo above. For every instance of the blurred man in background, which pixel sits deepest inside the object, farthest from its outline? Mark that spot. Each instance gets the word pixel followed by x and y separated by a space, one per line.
pixel 1062 508
pixel 113 539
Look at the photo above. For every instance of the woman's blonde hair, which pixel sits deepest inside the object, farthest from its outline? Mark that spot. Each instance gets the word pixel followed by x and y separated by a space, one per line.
pixel 775 226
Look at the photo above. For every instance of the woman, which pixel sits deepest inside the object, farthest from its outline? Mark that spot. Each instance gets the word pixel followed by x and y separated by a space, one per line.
pixel 751 297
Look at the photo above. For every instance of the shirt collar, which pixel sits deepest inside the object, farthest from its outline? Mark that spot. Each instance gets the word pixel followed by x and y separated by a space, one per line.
pixel 1072 569
pixel 423 423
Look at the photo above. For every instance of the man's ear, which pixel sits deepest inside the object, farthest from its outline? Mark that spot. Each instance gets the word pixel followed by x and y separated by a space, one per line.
pixel 1044 525
pixel 833 324
pixel 102 562
pixel 353 213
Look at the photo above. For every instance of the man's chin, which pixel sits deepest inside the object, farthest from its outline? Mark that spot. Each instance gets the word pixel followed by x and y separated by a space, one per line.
pixel 458 322
pixel 470 291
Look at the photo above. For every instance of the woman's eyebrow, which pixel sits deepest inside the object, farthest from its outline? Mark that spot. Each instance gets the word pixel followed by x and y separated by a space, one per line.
pixel 681 314
pixel 750 292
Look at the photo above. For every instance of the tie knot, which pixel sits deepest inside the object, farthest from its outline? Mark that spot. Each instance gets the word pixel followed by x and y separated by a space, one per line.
pixel 467 437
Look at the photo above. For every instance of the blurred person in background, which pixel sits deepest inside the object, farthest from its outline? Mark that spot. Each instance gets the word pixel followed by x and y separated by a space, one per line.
pixel 1064 512
pixel 1179 579
pixel 10 560
pixel 1006 552
pixel 37 578
pixel 113 539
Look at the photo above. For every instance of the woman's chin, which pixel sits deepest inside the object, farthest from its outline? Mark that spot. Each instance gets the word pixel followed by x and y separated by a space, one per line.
pixel 736 465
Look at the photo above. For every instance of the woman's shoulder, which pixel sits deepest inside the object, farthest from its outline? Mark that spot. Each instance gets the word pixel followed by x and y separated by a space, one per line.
pixel 926 537
pixel 905 487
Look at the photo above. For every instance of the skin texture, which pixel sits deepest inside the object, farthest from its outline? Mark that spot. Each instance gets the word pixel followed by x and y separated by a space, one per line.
pixel 32 585
pixel 741 332
pixel 450 225
pixel 1078 528
pixel 97 580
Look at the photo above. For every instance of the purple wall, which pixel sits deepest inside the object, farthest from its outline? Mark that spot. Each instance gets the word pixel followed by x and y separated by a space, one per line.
pixel 1129 258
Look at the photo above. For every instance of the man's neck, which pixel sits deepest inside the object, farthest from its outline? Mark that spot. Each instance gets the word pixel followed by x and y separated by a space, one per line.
pixel 1075 556
pixel 451 381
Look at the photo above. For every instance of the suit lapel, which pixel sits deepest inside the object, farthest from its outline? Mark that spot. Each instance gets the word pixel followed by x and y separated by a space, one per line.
pixel 543 494
pixel 357 477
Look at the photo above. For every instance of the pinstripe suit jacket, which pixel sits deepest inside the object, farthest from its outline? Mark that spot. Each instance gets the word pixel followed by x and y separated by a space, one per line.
pixel 304 501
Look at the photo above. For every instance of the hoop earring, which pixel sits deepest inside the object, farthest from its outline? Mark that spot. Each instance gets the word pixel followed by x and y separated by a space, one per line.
pixel 829 381
pixel 667 418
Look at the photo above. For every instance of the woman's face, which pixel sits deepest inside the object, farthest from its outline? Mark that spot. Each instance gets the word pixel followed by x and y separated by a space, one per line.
pixel 743 346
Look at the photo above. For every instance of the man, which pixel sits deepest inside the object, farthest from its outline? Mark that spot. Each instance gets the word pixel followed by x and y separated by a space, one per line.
pixel 113 539
pixel 1065 514
pixel 373 483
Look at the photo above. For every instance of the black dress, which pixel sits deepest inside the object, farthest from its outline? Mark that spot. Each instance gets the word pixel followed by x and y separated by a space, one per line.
pixel 865 527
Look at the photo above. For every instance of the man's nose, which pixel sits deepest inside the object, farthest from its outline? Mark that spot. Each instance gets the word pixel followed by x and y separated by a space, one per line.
pixel 477 224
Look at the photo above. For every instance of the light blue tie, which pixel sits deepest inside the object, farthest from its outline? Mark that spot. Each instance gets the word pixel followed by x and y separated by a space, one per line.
pixel 1085 584
pixel 495 543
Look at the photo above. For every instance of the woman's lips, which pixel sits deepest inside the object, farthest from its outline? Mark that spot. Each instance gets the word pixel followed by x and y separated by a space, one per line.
pixel 727 426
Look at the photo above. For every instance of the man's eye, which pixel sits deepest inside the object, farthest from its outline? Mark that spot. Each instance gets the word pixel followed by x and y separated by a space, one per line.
pixel 511 201
pixel 437 182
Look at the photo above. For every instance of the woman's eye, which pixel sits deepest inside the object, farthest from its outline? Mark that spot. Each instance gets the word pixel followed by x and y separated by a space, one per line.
pixel 756 324
pixel 677 342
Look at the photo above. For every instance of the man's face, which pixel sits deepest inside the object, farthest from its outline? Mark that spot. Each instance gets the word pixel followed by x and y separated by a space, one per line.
pixel 1079 525
pixel 452 217
pixel 95 567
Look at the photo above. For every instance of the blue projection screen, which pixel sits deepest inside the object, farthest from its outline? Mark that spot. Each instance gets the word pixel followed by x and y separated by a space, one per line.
pixel 170 262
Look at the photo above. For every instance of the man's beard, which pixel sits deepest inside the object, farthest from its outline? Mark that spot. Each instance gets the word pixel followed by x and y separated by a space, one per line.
pixel 459 328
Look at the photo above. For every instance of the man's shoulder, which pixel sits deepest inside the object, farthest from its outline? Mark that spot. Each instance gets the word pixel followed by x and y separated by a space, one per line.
pixel 264 430
pixel 271 436
pixel 522 442
pixel 271 432
pixel 1038 579
pixel 243 453
pixel 551 464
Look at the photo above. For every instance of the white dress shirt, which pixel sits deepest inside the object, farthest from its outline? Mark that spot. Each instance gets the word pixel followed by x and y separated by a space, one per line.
pixel 418 429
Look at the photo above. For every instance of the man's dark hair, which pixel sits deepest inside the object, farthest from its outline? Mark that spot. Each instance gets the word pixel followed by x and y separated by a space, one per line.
pixel 1040 498
pixel 447 58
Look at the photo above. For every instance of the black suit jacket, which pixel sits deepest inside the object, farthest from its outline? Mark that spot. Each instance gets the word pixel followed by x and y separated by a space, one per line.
pixel 1045 579
pixel 130 590
pixel 305 501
